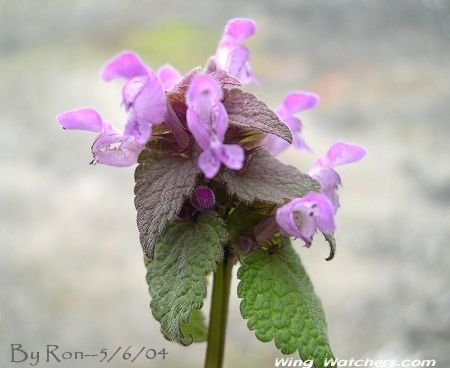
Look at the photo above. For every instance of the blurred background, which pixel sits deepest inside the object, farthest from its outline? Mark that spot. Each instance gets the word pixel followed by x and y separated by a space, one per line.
pixel 71 265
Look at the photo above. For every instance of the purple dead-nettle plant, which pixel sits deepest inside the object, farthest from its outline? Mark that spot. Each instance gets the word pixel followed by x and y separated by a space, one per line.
pixel 209 192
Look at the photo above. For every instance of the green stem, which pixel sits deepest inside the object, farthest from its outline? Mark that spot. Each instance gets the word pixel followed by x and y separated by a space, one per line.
pixel 218 314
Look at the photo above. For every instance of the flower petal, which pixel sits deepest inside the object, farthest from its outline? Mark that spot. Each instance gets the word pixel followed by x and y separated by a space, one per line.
pixel 126 65
pixel 299 101
pixel 202 87
pixel 81 119
pixel 232 156
pixel 324 214
pixel 342 153
pixel 137 131
pixel 110 149
pixel 302 216
pixel 209 163
pixel 274 144
pixel 240 29
pixel 168 76
pixel 198 129
pixel 146 100
pixel 285 219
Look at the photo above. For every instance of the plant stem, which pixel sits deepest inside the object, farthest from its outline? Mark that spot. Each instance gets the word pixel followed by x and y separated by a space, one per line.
pixel 218 314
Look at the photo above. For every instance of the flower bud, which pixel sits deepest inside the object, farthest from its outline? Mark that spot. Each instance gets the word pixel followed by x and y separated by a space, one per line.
pixel 203 198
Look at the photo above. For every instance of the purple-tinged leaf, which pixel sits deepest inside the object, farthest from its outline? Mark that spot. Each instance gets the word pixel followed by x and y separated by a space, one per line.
pixel 268 180
pixel 246 111
pixel 163 183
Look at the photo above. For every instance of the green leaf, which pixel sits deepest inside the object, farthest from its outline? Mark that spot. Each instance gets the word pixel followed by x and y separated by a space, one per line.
pixel 163 183
pixel 184 255
pixel 268 180
pixel 246 111
pixel 279 302
pixel 196 327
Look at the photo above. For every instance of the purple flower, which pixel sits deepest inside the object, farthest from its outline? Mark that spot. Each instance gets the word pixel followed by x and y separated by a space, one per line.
pixel 293 103
pixel 340 153
pixel 110 147
pixel 303 216
pixel 142 95
pixel 207 120
pixel 231 55
pixel 168 76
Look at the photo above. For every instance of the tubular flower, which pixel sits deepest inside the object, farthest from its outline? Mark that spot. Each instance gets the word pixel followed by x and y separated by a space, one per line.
pixel 110 147
pixel 231 55
pixel 293 103
pixel 207 120
pixel 340 153
pixel 303 216
pixel 142 95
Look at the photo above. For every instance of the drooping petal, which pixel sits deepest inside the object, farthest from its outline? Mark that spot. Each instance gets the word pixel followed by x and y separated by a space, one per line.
pixel 240 29
pixel 81 119
pixel 168 76
pixel 110 149
pixel 232 156
pixel 299 101
pixel 126 65
pixel 137 131
pixel 209 163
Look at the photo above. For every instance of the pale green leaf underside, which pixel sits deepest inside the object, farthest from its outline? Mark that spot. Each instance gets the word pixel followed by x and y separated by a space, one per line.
pixel 280 304
pixel 184 255
pixel 196 327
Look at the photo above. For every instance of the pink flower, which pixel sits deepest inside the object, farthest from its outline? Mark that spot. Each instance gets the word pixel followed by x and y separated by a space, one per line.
pixel 207 120
pixel 293 103
pixel 110 147
pixel 231 55
pixel 302 217
pixel 142 95
pixel 340 153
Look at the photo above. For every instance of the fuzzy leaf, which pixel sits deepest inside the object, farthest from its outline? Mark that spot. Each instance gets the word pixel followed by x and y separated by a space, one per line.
pixel 196 327
pixel 268 180
pixel 185 254
pixel 279 302
pixel 163 182
pixel 225 80
pixel 246 111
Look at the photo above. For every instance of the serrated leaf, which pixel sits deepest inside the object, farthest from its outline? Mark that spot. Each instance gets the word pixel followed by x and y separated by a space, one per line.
pixel 279 302
pixel 246 111
pixel 196 327
pixel 268 180
pixel 184 255
pixel 163 182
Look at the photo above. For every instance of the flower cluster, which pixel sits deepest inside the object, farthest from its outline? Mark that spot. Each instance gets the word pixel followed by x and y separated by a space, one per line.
pixel 203 115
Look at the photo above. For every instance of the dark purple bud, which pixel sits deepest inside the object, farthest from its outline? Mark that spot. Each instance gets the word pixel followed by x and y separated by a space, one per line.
pixel 203 198
pixel 245 244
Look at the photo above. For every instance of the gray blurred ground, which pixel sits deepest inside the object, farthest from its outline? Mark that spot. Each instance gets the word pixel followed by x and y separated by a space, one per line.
pixel 70 263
